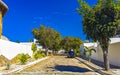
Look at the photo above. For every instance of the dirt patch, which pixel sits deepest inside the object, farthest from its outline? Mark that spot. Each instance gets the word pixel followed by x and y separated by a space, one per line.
pixel 3 60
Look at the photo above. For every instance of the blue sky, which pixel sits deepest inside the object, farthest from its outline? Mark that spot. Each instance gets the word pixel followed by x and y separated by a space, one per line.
pixel 24 15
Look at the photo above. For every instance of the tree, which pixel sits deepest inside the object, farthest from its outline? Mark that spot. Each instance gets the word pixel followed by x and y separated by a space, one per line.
pixel 101 22
pixel 47 37
pixel 17 41
pixel 55 41
pixel 89 52
pixel 31 40
pixel 34 47
pixel 69 43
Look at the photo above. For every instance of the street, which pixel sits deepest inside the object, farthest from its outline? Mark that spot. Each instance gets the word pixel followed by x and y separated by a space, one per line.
pixel 61 64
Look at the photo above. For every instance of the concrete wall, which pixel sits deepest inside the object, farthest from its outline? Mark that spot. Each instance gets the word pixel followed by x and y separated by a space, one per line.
pixel 114 53
pixel 11 49
pixel 30 44
pixel 98 55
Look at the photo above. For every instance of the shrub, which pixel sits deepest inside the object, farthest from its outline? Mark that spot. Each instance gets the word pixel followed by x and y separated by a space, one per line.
pixel 77 53
pixel 38 54
pixel 23 58
pixel 43 55
pixel 28 56
pixel 33 47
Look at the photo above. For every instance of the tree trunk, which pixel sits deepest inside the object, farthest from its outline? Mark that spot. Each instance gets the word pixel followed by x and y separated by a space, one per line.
pixel 104 45
pixel 46 52
pixel 106 61
pixel 89 58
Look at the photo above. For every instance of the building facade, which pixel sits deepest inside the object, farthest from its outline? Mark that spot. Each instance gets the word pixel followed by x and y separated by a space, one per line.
pixel 113 55
pixel 3 10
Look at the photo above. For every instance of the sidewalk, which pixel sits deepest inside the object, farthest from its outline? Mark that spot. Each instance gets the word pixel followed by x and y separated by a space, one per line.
pixel 22 67
pixel 99 69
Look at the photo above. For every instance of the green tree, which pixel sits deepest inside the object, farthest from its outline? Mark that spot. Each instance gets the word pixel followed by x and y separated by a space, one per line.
pixel 17 41
pixel 101 22
pixel 47 37
pixel 31 40
pixel 34 47
pixel 69 43
pixel 66 43
pixel 89 52
pixel 55 41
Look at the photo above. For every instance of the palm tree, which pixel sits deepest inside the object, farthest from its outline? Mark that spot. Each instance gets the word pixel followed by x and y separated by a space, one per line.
pixel 89 52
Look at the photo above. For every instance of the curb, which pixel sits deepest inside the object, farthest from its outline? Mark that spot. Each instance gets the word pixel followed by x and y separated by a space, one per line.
pixel 95 67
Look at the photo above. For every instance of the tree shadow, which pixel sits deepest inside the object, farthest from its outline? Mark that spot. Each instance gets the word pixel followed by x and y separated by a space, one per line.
pixel 71 68
pixel 101 64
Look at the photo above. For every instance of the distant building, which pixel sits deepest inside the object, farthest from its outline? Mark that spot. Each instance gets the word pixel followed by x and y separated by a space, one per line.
pixel 117 36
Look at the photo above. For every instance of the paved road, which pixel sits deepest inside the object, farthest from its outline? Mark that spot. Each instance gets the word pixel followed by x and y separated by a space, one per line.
pixel 60 64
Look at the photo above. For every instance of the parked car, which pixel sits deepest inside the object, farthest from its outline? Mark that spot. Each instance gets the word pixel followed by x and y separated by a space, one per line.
pixel 71 54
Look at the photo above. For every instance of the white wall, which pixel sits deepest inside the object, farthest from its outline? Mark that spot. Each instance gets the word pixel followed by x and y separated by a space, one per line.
pixel 30 44
pixel 114 52
pixel 10 49
pixel 98 55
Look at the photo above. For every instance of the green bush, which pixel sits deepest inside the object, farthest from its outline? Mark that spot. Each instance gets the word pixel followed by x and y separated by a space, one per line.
pixel 23 58
pixel 77 52
pixel 43 54
pixel 28 56
pixel 38 54
pixel 34 47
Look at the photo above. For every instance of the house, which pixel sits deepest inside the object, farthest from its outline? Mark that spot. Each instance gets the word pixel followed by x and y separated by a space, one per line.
pixel 113 55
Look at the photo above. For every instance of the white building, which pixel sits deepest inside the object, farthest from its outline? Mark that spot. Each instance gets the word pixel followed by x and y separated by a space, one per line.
pixel 114 51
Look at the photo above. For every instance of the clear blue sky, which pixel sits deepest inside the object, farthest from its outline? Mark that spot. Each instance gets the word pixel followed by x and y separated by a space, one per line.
pixel 24 15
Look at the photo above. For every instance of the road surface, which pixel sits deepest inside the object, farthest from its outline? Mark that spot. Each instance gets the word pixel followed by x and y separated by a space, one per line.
pixel 61 64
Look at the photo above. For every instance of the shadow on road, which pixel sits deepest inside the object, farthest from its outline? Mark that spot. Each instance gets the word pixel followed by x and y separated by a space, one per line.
pixel 71 68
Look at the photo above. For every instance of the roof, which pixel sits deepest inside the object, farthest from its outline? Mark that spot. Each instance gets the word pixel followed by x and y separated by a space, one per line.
pixel 90 44
pixel 3 7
